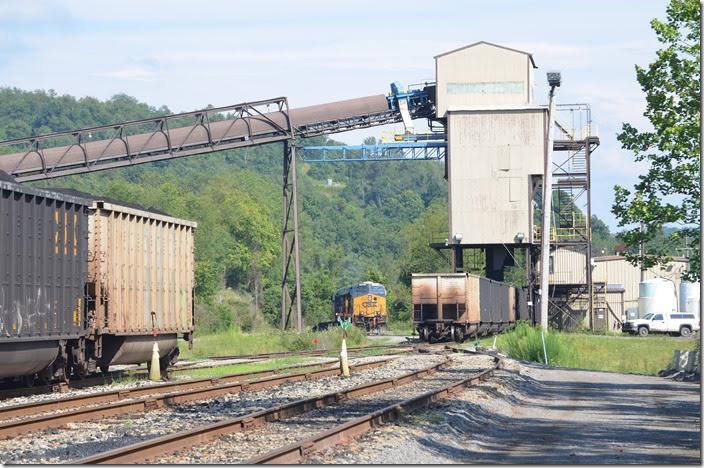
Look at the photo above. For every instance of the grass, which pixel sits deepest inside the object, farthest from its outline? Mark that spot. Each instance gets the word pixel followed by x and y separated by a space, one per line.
pixel 273 364
pixel 400 328
pixel 234 342
pixel 627 354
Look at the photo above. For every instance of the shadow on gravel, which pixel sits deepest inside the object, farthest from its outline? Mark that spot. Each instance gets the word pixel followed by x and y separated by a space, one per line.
pixel 567 422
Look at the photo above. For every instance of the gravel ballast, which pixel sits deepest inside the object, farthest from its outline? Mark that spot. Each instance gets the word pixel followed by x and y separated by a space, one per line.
pixel 79 440
pixel 240 447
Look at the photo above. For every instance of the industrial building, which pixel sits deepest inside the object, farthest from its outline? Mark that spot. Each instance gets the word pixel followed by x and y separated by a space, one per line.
pixel 615 284
pixel 497 141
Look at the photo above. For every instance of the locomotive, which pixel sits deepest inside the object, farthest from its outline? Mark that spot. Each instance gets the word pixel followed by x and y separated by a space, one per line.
pixel 364 303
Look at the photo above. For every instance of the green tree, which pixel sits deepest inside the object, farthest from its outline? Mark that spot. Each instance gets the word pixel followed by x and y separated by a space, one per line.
pixel 669 192
pixel 418 255
pixel 603 241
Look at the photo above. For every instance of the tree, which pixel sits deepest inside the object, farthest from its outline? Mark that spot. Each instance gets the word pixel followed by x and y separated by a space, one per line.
pixel 669 192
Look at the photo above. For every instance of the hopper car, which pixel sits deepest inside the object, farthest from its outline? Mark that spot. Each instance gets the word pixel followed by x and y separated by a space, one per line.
pixel 87 283
pixel 455 306
pixel 364 303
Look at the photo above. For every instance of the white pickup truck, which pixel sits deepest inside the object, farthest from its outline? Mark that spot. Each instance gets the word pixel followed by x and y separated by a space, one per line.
pixel 675 322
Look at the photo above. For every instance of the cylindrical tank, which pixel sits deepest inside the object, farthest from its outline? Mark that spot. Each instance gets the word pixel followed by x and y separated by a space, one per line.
pixel 689 297
pixel 657 295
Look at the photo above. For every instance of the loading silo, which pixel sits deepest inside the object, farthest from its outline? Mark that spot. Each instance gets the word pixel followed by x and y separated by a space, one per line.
pixel 657 295
pixel 689 297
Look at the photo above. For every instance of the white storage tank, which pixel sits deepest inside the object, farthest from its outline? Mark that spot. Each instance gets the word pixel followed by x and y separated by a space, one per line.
pixel 689 297
pixel 657 295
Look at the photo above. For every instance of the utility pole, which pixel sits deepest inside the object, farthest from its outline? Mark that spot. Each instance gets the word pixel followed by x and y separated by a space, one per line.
pixel 642 252
pixel 701 159
pixel 554 81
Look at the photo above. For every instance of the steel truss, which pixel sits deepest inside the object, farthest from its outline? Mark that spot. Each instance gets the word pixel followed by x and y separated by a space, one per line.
pixel 169 137
pixel 574 144
pixel 147 140
pixel 423 150
pixel 289 240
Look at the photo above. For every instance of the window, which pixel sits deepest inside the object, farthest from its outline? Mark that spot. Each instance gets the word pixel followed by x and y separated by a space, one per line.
pixel 676 316
pixel 551 265
pixel 688 316
pixel 647 316
pixel 658 317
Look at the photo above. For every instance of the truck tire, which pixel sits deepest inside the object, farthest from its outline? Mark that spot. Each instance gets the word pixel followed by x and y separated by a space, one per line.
pixel 643 331
pixel 685 331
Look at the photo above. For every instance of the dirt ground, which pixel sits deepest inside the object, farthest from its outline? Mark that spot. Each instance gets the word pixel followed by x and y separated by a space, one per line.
pixel 533 414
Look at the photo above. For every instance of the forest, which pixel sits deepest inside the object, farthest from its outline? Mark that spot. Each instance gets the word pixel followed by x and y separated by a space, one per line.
pixel 359 221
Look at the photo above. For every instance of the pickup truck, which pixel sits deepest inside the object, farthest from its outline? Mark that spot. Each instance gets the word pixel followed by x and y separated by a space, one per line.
pixel 681 323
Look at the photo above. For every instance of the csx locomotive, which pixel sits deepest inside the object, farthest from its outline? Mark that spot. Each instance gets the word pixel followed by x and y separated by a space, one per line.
pixel 365 303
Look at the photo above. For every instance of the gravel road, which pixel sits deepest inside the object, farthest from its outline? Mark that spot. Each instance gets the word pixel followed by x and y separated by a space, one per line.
pixel 531 414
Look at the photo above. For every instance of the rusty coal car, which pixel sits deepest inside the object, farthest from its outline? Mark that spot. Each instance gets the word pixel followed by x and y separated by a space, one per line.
pixel 456 306
pixel 85 283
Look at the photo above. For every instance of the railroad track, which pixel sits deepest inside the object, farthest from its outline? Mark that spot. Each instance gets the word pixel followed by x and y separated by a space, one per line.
pixel 408 347
pixel 113 376
pixel 368 399
pixel 21 419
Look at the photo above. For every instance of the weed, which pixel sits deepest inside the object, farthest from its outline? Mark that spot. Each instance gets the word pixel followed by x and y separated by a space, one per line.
pixel 628 354
pixel 525 342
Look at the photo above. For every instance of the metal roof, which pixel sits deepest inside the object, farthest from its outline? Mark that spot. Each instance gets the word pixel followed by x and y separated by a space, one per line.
pixel 532 61
pixel 609 258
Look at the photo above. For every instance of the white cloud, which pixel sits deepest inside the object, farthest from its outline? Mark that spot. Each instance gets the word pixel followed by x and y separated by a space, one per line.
pixel 131 73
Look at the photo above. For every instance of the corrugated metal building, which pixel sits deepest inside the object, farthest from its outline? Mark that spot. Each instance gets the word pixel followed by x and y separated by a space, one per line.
pixel 616 281
pixel 614 270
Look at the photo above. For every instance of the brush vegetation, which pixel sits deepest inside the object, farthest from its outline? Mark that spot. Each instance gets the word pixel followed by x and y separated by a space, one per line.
pixel 267 340
pixel 609 352
pixel 269 364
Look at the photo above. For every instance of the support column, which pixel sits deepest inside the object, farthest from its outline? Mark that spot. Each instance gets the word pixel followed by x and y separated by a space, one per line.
pixel 457 259
pixel 590 284
pixel 496 258
pixel 289 240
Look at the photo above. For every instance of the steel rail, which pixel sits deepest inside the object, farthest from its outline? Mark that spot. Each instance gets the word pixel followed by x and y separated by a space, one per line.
pixel 142 451
pixel 312 352
pixel 351 429
pixel 13 428
pixel 32 408
pixel 113 375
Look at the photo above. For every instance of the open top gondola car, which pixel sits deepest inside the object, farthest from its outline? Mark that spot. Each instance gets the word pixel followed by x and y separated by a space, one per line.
pixel 43 268
pixel 459 305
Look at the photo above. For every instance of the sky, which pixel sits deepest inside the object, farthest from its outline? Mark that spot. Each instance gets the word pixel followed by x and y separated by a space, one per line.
pixel 186 54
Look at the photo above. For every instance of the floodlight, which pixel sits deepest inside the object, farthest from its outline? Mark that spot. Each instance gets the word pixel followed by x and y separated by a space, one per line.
pixel 554 79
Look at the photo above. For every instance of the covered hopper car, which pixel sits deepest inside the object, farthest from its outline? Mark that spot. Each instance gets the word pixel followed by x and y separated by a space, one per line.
pixel 459 305
pixel 85 283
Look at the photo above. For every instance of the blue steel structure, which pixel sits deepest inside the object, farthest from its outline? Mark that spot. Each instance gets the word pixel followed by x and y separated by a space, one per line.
pixel 414 103
pixel 397 151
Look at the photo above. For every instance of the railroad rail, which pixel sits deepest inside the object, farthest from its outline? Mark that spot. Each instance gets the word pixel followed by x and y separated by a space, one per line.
pixel 316 352
pixel 112 376
pixel 143 451
pixel 358 426
pixel 149 450
pixel 124 401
